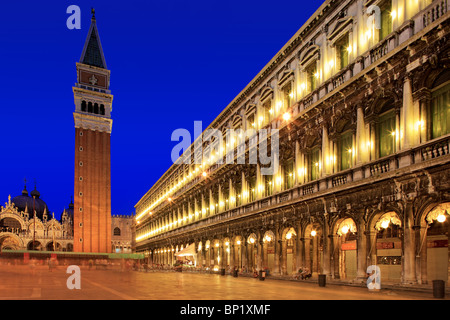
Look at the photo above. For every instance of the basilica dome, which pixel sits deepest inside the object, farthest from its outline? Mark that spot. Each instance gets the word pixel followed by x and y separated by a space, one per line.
pixel 26 203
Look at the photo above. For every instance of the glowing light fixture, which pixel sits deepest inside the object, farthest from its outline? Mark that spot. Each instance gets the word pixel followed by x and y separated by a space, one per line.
pixel 441 218
pixel 345 229
pixel 385 224
pixel 313 233
pixel 393 14
pixel 286 116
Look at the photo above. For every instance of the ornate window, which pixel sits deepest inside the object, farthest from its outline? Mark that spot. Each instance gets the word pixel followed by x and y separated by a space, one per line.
pixel 268 112
pixel 116 231
pixel 440 111
pixel 386 19
pixel 343 52
pixel 287 96
pixel 252 188
pixel 288 169
pixel 312 77
pixel 314 164
pixel 387 133
pixel 268 185
pixel 346 150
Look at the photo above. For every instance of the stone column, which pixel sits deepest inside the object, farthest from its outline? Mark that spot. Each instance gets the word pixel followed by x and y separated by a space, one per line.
pixel 334 239
pixel 325 152
pixel 408 118
pixel 211 203
pixel 200 255
pixel 398 133
pixel 421 257
pixel 307 258
pixel 222 254
pixel 362 150
pixel 277 251
pixel 326 269
pixel 250 254
pixel 371 237
pixel 297 164
pixel 208 256
pixel 259 255
pixel 361 247
pixel 244 254
pixel 373 152
pixel 315 255
pixel 409 266
pixel 283 257
pixel 448 241
pixel 298 252
pixel 232 255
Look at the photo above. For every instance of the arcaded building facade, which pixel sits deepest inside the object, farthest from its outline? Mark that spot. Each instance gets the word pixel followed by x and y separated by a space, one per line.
pixel 358 104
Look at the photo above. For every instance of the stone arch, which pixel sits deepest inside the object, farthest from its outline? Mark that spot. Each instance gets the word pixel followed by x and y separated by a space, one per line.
pixel 49 246
pixel 312 234
pixel 288 250
pixel 10 241
pixel 345 247
pixel 268 250
pixel 36 245
pixel 12 216
pixel 386 243
pixel 434 221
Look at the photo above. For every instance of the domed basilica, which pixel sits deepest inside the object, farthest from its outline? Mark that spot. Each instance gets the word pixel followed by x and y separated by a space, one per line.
pixel 26 224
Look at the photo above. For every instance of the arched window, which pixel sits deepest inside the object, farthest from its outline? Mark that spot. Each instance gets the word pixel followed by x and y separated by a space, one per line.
pixel 288 170
pixel 387 131
pixel 90 107
pixel 440 106
pixel 96 108
pixel 346 150
pixel 102 109
pixel 83 106
pixel 314 164
pixel 268 111
pixel 116 231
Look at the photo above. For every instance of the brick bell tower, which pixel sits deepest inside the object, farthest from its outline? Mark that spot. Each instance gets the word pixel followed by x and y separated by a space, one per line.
pixel 93 124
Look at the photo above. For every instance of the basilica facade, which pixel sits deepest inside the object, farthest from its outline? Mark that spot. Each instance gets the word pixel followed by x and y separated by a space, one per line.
pixel 26 224
pixel 358 104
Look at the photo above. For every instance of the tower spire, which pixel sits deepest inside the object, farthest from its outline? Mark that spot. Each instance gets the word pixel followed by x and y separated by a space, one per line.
pixel 92 52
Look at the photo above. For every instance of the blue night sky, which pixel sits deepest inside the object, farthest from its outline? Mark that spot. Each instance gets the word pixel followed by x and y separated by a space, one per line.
pixel 172 63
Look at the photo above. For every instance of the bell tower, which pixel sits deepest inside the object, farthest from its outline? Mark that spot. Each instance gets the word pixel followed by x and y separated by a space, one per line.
pixel 93 124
